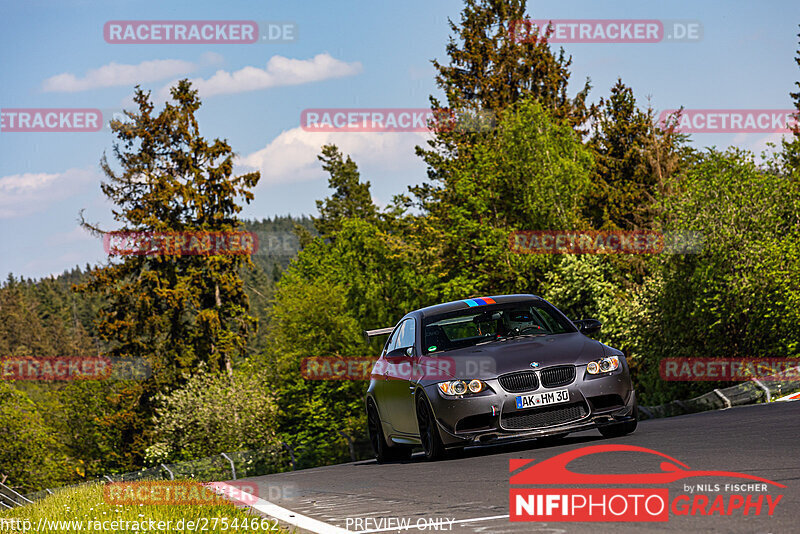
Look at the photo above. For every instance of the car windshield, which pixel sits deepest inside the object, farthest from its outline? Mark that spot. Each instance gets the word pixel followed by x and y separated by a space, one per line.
pixel 471 326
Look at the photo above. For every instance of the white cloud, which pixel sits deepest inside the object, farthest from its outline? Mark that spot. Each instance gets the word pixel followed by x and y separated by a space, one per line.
pixel 24 194
pixel 212 58
pixel 115 74
pixel 758 144
pixel 292 156
pixel 280 71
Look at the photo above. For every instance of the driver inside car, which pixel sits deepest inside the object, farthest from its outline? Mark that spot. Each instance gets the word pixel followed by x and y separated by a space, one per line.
pixel 521 320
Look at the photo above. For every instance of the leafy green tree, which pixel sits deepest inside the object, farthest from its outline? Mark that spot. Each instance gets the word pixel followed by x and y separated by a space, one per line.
pixel 532 174
pixel 310 319
pixel 737 297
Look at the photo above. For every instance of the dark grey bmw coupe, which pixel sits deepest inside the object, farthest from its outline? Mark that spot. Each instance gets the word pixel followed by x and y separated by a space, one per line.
pixel 487 370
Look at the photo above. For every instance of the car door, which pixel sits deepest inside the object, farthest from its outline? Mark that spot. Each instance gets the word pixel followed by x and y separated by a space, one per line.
pixel 381 388
pixel 399 375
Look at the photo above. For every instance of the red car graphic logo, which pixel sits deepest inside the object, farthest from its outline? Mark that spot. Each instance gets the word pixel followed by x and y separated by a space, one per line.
pixel 554 470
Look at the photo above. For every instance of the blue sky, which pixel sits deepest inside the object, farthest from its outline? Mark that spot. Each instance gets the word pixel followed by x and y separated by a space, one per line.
pixel 347 54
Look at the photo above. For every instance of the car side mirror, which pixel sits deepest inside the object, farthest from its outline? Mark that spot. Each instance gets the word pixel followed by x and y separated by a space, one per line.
pixel 588 327
pixel 399 355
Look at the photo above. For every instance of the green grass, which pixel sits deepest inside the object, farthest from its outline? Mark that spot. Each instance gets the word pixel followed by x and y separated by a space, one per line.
pixel 88 504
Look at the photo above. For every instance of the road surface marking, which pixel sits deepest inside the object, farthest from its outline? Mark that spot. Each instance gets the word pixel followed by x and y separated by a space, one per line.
pixel 314 525
pixel 426 526
pixel 279 513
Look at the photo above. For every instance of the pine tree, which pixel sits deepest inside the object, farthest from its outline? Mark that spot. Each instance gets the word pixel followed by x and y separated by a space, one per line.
pixel 635 159
pixel 489 71
pixel 491 68
pixel 175 312
pixel 351 197
pixel 791 148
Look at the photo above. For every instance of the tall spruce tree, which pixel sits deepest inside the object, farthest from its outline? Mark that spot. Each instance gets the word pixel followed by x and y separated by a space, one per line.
pixel 490 69
pixel 175 312
pixel 635 160
pixel 791 148
pixel 493 63
pixel 351 197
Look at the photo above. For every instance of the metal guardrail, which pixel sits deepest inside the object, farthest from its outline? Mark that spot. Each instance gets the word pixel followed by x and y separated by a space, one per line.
pixel 10 498
pixel 225 466
pixel 750 392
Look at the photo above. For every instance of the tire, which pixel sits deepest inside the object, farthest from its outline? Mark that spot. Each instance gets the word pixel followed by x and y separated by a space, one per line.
pixel 621 429
pixel 383 452
pixel 429 431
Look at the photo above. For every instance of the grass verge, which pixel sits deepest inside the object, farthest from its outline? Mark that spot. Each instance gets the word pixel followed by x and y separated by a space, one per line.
pixel 88 508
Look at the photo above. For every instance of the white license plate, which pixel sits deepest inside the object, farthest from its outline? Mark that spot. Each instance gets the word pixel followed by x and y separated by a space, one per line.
pixel 542 399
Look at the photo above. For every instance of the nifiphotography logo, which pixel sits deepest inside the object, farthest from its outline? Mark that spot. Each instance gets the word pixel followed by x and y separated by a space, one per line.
pixel 538 497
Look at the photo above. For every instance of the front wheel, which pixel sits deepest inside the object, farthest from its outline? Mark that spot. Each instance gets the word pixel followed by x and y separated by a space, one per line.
pixel 621 429
pixel 383 453
pixel 429 431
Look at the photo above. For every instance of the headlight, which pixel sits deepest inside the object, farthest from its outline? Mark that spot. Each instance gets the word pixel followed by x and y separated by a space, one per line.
pixel 475 386
pixel 603 365
pixel 461 387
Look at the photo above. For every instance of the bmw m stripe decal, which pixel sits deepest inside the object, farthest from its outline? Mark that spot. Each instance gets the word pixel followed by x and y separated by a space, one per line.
pixel 479 302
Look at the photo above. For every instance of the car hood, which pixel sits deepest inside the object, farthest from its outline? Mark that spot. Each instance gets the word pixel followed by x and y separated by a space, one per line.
pixel 490 360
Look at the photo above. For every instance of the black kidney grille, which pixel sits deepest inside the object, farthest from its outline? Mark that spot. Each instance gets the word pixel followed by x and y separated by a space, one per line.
pixel 543 417
pixel 519 382
pixel 558 376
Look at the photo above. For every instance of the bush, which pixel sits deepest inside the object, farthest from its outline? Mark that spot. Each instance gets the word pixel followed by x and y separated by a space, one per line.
pixel 213 413
pixel 30 457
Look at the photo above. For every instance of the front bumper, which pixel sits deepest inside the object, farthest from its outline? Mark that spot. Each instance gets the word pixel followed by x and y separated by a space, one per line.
pixel 594 400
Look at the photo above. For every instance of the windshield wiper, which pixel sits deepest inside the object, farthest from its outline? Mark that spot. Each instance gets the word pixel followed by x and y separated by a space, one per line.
pixel 513 336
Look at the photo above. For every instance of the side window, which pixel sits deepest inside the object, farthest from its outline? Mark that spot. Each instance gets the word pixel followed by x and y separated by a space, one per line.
pixel 407 335
pixel 391 343
pixel 549 321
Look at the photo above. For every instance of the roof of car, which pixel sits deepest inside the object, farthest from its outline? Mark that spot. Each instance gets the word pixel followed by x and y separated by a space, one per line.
pixel 439 309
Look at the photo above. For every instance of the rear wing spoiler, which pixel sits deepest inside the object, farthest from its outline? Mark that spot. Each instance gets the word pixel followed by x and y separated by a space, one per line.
pixel 378 332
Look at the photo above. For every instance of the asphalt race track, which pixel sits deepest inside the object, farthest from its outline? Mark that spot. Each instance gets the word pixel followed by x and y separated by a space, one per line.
pixel 473 487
